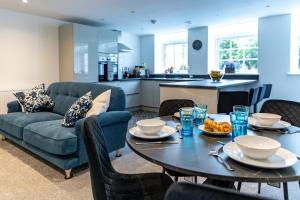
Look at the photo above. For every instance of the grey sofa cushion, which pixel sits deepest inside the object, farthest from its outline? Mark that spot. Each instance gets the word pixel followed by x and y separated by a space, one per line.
pixel 14 123
pixel 51 137
pixel 64 94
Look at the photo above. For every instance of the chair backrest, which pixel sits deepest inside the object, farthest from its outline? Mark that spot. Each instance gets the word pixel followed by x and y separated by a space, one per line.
pixel 190 191
pixel 268 90
pixel 261 93
pixel 253 96
pixel 101 169
pixel 289 110
pixel 169 107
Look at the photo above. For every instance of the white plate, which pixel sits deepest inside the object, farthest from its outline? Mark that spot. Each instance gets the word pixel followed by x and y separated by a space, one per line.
pixel 166 131
pixel 201 127
pixel 281 159
pixel 279 125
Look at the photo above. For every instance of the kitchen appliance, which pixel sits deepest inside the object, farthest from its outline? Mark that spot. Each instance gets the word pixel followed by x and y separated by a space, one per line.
pixel 108 68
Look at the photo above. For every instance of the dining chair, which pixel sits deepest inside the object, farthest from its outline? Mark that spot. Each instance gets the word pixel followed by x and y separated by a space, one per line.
pixel 228 99
pixel 109 184
pixel 268 90
pixel 289 110
pixel 253 98
pixel 169 107
pixel 188 191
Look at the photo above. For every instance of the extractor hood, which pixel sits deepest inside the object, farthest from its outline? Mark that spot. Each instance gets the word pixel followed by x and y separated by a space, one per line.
pixel 122 48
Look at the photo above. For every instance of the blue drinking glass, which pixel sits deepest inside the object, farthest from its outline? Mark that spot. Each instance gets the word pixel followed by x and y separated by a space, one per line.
pixel 199 113
pixel 241 108
pixel 187 121
pixel 239 122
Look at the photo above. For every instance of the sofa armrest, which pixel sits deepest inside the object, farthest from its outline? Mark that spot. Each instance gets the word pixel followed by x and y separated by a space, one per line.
pixel 13 106
pixel 114 125
pixel 114 117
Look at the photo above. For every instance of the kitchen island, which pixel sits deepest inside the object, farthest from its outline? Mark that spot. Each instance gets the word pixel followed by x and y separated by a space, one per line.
pixel 204 91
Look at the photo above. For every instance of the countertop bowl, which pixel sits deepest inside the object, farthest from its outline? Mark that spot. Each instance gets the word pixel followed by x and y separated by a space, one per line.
pixel 257 147
pixel 266 119
pixel 150 126
pixel 216 75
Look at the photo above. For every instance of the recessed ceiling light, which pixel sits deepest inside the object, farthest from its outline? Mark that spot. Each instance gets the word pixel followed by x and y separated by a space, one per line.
pixel 268 6
pixel 188 22
pixel 153 21
pixel 132 12
pixel 25 1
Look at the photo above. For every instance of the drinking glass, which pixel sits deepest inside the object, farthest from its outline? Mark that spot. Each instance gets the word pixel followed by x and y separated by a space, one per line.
pixel 240 108
pixel 199 112
pixel 239 122
pixel 187 121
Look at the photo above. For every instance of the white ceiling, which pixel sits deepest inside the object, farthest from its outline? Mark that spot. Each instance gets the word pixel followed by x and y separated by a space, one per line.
pixel 170 14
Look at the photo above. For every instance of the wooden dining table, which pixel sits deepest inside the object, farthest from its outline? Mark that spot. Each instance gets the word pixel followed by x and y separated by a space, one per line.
pixel 191 156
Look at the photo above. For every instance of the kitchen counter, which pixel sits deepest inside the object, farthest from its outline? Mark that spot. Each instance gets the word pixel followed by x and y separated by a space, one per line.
pixel 207 83
pixel 204 91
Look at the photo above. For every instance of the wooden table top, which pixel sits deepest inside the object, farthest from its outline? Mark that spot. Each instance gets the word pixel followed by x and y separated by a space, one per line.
pixel 190 156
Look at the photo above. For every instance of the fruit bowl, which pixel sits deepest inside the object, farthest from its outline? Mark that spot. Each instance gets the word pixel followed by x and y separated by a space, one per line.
pixel 216 75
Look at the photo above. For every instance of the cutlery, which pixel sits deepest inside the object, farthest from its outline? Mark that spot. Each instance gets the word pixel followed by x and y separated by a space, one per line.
pixel 220 142
pixel 157 142
pixel 220 158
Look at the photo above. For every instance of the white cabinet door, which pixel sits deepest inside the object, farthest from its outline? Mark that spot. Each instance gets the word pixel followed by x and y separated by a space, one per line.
pixel 133 100
pixel 130 87
pixel 147 93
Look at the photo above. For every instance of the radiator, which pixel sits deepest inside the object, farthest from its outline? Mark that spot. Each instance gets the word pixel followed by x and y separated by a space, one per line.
pixel 5 97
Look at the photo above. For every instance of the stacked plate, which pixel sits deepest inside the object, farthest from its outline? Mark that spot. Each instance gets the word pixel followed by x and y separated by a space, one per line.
pixel 151 129
pixel 260 152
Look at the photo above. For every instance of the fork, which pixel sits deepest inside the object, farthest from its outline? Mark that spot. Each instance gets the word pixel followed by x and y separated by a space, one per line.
pixel 220 159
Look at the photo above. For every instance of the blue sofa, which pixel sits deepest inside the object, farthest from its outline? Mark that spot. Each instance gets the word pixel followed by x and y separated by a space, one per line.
pixel 42 133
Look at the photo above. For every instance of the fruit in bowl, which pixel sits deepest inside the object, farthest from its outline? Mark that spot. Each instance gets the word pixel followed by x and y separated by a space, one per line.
pixel 150 126
pixel 266 119
pixel 257 147
pixel 216 75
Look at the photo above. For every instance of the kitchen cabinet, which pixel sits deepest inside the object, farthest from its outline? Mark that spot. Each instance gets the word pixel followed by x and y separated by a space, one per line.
pixel 147 98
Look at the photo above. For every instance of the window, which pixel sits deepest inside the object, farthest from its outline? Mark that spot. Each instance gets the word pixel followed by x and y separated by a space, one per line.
pixel 299 52
pixel 175 57
pixel 242 51
pixel 171 53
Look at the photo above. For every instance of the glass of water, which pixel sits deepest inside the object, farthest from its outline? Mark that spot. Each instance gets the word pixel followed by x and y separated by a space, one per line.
pixel 199 112
pixel 187 121
pixel 239 123
pixel 240 108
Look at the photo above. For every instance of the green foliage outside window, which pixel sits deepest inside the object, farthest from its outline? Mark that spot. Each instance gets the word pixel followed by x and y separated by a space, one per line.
pixel 242 50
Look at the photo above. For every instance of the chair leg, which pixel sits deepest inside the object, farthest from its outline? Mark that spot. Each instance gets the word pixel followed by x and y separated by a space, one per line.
pixel 285 191
pixel 259 188
pixel 195 179
pixel 118 153
pixel 2 137
pixel 68 174
pixel 164 170
pixel 299 183
pixel 239 186
pixel 176 178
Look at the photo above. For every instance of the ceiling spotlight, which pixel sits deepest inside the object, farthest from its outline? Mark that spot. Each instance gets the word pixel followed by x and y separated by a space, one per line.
pixel 153 21
pixel 25 1
pixel 132 12
pixel 268 6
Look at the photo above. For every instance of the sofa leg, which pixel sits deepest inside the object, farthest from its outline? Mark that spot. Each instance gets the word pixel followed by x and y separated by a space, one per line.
pixel 68 174
pixel 2 137
pixel 118 153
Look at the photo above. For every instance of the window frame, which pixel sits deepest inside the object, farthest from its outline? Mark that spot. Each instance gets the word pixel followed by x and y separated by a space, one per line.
pixel 231 37
pixel 185 52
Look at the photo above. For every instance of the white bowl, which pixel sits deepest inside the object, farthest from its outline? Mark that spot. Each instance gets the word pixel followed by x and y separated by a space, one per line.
pixel 150 126
pixel 266 119
pixel 257 147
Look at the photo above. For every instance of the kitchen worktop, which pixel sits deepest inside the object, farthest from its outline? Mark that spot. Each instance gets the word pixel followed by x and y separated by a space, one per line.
pixel 207 83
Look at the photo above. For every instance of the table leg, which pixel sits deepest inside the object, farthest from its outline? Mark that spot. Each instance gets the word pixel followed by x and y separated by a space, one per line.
pixel 259 188
pixel 239 186
pixel 285 191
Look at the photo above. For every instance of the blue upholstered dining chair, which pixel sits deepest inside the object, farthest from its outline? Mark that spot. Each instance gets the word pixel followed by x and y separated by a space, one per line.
pixel 107 184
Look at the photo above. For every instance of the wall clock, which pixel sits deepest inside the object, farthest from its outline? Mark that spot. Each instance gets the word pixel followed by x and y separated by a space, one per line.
pixel 197 45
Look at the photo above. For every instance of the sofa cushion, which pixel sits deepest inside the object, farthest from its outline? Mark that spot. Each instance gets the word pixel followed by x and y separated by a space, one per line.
pixel 51 137
pixel 64 94
pixel 13 123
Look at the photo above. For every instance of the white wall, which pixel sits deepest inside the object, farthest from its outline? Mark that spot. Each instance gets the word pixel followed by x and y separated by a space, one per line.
pixel 28 50
pixel 132 58
pixel 198 60
pixel 147 49
pixel 274 44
